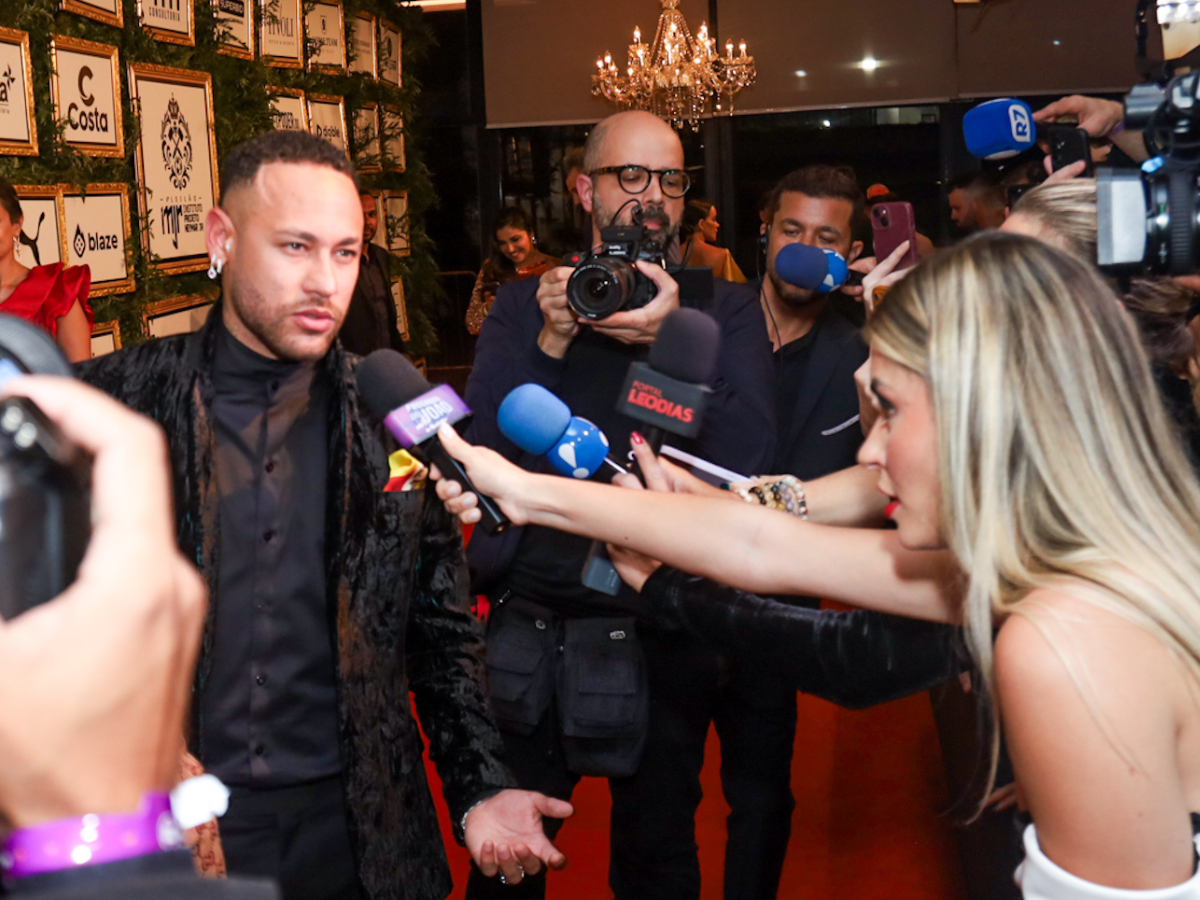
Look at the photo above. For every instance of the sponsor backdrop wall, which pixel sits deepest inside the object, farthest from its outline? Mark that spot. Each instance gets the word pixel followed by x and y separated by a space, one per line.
pixel 135 105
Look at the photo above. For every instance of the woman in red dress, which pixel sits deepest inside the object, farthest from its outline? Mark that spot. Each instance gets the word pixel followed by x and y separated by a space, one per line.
pixel 54 297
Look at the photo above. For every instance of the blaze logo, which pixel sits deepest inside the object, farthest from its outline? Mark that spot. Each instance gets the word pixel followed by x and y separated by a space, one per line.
pixel 79 244
pixel 1022 128
pixel 176 145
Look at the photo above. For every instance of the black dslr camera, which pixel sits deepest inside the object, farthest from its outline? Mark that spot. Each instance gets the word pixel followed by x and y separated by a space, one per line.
pixel 606 280
pixel 45 482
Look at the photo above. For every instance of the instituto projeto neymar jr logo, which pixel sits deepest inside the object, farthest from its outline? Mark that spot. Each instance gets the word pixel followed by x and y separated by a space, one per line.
pixel 176 145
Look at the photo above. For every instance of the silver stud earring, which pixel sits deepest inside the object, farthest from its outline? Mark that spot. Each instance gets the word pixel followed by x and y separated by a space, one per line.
pixel 214 269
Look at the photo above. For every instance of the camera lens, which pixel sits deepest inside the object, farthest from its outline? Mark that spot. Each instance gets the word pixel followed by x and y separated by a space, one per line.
pixel 600 287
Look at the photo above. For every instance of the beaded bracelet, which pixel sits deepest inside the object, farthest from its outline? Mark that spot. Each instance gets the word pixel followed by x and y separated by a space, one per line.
pixel 786 494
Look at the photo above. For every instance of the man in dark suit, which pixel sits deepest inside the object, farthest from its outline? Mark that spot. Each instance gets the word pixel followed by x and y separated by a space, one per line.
pixel 816 349
pixel 332 599
pixel 371 319
pixel 816 352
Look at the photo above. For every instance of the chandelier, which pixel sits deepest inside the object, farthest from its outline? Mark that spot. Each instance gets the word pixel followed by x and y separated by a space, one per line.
pixel 675 76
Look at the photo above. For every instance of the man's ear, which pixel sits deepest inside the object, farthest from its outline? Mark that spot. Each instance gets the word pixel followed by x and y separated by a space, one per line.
pixel 856 249
pixel 219 234
pixel 584 187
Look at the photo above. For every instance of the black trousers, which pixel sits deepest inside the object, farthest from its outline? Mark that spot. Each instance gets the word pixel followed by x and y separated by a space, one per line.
pixel 296 835
pixel 653 812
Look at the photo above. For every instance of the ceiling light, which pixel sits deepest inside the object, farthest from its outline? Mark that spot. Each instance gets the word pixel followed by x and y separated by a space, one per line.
pixel 869 64
pixel 800 73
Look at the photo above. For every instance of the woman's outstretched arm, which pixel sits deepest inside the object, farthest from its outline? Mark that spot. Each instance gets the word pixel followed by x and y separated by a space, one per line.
pixel 748 547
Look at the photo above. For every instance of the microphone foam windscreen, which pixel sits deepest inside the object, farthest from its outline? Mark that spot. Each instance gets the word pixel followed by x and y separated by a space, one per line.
pixel 802 265
pixel 999 129
pixel 386 381
pixel 533 418
pixel 686 346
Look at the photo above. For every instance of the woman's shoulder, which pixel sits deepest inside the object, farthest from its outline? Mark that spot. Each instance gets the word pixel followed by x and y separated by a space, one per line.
pixel 1090 704
pixel 1058 631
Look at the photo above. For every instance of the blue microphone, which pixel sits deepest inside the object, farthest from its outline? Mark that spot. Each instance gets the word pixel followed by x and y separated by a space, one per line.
pixel 812 268
pixel 540 423
pixel 999 129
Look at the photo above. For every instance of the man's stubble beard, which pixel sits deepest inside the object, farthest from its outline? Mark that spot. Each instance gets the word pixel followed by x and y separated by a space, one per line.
pixel 660 240
pixel 250 307
pixel 790 295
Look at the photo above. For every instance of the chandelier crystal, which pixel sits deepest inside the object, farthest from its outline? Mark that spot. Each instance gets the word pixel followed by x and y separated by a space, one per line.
pixel 677 74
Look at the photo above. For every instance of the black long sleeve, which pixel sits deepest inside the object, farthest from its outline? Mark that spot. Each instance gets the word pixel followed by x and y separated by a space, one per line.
pixel 854 659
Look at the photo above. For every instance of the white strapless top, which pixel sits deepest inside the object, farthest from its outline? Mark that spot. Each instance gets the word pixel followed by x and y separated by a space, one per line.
pixel 1040 879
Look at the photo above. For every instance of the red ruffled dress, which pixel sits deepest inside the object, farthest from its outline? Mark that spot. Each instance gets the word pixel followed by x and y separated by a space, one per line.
pixel 47 293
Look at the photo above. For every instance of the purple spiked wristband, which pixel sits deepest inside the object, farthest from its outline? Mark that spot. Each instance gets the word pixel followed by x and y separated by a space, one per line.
pixel 92 840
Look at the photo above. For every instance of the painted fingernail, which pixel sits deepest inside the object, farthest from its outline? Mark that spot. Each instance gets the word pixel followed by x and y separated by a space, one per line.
pixel 724 485
pixel 636 438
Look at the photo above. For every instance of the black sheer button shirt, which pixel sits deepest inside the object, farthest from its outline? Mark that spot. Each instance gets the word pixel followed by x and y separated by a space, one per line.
pixel 269 709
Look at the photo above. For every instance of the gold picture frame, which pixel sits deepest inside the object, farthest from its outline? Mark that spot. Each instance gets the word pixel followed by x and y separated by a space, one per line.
pixel 180 208
pixel 112 14
pixel 60 45
pixel 391 129
pixel 163 12
pixel 397 222
pixel 165 318
pixel 42 200
pixel 311 21
pixel 102 334
pixel 298 108
pixel 17 89
pixel 324 124
pixel 281 34
pixel 101 286
pixel 363 46
pixel 228 23
pixel 368 154
pixel 393 65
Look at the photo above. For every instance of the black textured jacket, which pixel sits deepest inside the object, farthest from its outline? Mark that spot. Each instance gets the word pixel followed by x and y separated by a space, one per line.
pixel 397 602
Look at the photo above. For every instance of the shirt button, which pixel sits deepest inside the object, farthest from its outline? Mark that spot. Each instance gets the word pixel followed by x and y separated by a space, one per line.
pixel 270 466
pixel 259 749
pixel 260 678
pixel 269 535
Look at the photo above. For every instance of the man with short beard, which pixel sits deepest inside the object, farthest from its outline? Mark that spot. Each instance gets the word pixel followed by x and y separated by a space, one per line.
pixel 580 683
pixel 331 598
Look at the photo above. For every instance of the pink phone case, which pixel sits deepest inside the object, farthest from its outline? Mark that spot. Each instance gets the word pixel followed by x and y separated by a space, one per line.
pixel 892 225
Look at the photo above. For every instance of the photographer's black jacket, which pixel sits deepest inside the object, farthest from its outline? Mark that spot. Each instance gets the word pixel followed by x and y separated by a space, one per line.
pixel 738 431
pixel 397 605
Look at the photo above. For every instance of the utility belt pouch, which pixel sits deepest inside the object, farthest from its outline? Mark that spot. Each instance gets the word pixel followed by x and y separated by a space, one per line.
pixel 603 696
pixel 521 646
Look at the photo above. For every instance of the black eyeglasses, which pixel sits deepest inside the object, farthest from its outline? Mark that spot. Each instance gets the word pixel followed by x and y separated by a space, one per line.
pixel 635 179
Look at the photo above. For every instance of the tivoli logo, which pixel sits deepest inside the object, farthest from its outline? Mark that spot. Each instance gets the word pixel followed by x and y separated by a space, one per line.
pixel 176 145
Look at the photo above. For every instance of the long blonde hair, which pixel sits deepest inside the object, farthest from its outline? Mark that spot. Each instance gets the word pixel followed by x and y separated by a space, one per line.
pixel 1055 455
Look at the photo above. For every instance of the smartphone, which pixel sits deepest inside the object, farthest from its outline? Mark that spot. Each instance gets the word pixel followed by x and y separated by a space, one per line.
pixel 1068 145
pixel 892 224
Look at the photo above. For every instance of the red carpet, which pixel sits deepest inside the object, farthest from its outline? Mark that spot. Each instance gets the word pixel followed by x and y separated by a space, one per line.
pixel 869 790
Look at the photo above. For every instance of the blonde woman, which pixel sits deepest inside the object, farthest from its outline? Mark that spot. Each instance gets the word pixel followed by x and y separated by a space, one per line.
pixel 1037 489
